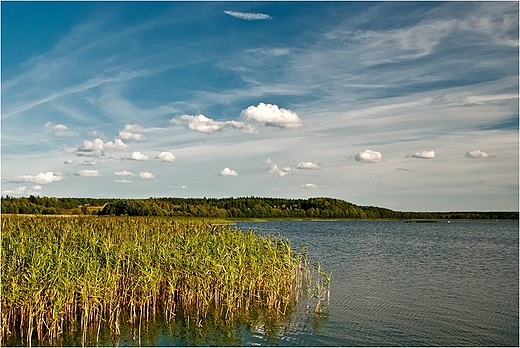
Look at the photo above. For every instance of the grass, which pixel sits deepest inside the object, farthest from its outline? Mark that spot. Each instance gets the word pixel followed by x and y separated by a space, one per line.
pixel 63 275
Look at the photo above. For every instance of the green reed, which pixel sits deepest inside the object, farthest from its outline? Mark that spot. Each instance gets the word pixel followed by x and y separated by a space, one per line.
pixel 62 275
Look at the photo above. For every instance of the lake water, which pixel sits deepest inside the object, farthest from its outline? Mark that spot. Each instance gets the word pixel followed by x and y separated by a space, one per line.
pixel 393 284
pixel 408 284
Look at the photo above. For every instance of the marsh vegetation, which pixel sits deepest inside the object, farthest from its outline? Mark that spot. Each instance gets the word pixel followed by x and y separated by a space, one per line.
pixel 85 274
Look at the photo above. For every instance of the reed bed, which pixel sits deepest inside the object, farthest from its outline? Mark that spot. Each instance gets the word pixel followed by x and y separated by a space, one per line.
pixel 63 275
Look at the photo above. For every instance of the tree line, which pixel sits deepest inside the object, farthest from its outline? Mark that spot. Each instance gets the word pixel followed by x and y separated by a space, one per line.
pixel 241 207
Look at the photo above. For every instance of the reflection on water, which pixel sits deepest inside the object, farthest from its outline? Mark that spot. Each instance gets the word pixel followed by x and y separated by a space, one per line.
pixel 254 327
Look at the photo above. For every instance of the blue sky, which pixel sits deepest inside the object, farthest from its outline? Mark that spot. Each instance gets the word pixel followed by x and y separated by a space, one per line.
pixel 406 105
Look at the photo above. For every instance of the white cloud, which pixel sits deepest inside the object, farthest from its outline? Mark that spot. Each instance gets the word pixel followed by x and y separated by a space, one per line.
pixel 250 16
pixel 165 156
pixel 272 115
pixel 124 181
pixel 90 148
pixel 309 185
pixel 132 132
pixel 228 172
pixel 59 130
pixel 308 165
pixel 369 156
pixel 423 155
pixel 198 123
pixel 137 156
pixel 124 173
pixel 84 163
pixel 146 175
pixel 274 169
pixel 477 154
pixel 18 190
pixel 88 172
pixel 118 144
pixel 41 178
pixel 22 190
pixel 204 124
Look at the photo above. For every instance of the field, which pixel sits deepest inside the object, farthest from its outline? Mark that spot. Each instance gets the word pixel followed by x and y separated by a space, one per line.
pixel 66 275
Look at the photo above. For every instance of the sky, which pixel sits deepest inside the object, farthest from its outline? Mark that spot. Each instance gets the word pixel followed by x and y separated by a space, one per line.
pixel 411 106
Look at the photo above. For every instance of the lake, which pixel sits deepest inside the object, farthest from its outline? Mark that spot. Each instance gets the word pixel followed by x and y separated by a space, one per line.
pixel 393 284
pixel 409 284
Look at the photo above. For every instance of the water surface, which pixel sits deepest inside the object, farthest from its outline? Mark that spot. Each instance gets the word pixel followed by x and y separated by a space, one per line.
pixel 409 284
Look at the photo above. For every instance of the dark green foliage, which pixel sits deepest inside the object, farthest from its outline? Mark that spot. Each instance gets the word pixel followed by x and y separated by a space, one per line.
pixel 241 207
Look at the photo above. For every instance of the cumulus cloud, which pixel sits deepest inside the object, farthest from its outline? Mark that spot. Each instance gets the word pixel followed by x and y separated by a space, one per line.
pixel 477 154
pixel 18 190
pixel 272 115
pixel 124 173
pixel 118 145
pixel 204 124
pixel 137 156
pixel 97 147
pixel 165 156
pixel 369 156
pixel 91 148
pixel 23 190
pixel 250 16
pixel 132 132
pixel 274 169
pixel 423 155
pixel 308 166
pixel 88 172
pixel 146 175
pixel 40 178
pixel 59 130
pixel 124 181
pixel 228 172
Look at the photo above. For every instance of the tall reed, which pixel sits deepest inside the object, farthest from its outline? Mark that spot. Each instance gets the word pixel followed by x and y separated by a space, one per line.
pixel 62 275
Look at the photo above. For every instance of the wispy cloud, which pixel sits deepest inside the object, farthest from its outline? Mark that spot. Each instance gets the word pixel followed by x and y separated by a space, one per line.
pixel 250 16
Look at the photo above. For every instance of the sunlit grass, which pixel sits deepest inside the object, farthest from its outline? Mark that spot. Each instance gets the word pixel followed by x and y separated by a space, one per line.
pixel 62 275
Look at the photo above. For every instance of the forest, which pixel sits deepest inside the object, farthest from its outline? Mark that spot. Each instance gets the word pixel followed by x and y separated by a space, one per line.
pixel 237 208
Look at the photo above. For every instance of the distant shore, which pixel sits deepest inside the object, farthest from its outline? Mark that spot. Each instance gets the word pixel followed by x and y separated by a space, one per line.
pixel 319 208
